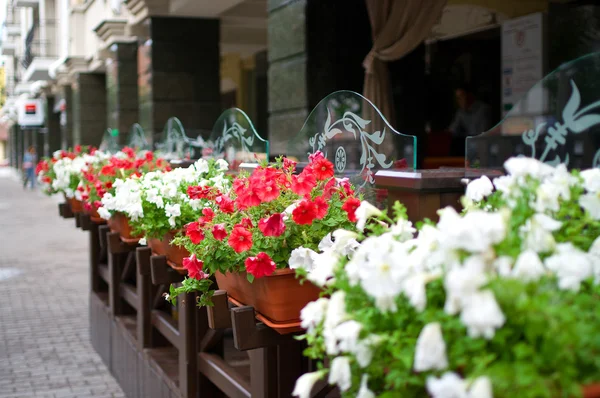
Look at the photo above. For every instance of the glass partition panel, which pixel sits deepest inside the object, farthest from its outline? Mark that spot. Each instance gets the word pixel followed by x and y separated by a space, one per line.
pixel 235 139
pixel 110 141
pixel 175 145
pixel 557 121
pixel 137 138
pixel 354 135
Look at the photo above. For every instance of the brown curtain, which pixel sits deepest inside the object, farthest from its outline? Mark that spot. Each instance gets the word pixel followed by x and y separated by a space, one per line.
pixel 398 27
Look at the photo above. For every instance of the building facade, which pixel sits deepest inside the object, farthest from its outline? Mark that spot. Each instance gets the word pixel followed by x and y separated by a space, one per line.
pixel 106 64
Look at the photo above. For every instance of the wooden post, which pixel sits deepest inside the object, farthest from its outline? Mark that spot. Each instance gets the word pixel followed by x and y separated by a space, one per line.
pixel 115 263
pixel 145 297
pixel 188 352
pixel 94 257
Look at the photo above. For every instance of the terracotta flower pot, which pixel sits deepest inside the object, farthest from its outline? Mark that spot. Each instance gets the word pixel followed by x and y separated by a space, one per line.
pixel 157 246
pixel 76 205
pixel 591 391
pixel 94 216
pixel 175 254
pixel 120 223
pixel 279 297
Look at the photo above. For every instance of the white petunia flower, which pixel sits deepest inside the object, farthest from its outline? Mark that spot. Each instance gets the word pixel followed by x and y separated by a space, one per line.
pixel 571 266
pixel 323 267
pixel 524 166
pixel 482 315
pixel 450 385
pixel 363 391
pixel 528 267
pixel 430 352
pixel 222 165
pixel 302 257
pixel 305 383
pixel 403 230
pixel 591 180
pixel 326 242
pixel 537 233
pixel 102 212
pixel 594 254
pixel 591 203
pixel 313 314
pixel 340 373
pixel 462 282
pixel 478 189
pixel 481 388
pixel 365 211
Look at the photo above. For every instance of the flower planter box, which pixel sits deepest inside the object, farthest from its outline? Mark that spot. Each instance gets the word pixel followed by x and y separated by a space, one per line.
pixel 120 223
pixel 94 216
pixel 76 205
pixel 591 391
pixel 175 254
pixel 278 298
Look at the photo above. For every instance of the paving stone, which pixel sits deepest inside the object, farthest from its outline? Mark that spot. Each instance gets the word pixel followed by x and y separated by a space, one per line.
pixel 44 321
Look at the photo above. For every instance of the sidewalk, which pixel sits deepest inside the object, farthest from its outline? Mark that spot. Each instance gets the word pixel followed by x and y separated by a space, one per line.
pixel 44 281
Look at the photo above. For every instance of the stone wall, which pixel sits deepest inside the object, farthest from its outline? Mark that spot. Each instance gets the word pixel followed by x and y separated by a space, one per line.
pixel 89 108
pixel 122 89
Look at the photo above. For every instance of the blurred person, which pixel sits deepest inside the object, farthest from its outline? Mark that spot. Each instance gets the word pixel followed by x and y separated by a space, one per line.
pixel 29 162
pixel 473 117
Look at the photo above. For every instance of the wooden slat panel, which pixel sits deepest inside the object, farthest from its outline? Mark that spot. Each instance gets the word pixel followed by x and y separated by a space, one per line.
pixel 167 327
pixel 223 376
pixel 129 293
pixel 103 272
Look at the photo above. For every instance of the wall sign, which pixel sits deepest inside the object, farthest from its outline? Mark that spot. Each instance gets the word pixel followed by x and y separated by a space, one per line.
pixel 31 112
pixel 523 64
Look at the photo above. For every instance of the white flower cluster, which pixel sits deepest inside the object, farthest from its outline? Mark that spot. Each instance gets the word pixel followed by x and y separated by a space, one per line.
pixel 69 171
pixel 162 189
pixel 460 250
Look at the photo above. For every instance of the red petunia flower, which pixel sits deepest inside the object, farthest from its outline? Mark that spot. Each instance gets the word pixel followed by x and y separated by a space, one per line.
pixel 97 204
pixel 305 212
pixel 261 265
pixel 107 170
pixel 322 207
pixel 47 179
pixel 149 156
pixel 77 148
pixel 345 186
pixel 247 198
pixel 194 267
pixel 304 183
pixel 272 226
pixel 129 152
pixel 245 223
pixel 202 192
pixel 225 204
pixel 316 156
pixel 194 232
pixel 108 184
pixel 322 169
pixel 289 164
pixel 219 232
pixel 350 207
pixel 208 214
pixel 240 239
pixel 268 191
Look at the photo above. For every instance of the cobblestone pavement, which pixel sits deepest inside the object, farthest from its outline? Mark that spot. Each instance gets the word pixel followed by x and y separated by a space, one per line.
pixel 45 349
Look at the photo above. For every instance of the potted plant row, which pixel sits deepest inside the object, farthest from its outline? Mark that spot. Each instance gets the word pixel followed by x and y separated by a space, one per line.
pixel 501 300
pixel 156 205
pixel 245 237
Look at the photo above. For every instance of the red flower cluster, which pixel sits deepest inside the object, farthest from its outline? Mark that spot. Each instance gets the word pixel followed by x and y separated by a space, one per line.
pixel 272 202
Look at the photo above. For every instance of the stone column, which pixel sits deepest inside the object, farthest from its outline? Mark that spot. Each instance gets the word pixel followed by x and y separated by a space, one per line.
pixel 53 124
pixel 178 75
pixel 89 108
pixel 287 94
pixel 66 118
pixel 122 88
